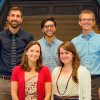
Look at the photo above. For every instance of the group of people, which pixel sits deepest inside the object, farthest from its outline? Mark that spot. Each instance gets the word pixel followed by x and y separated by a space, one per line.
pixel 49 69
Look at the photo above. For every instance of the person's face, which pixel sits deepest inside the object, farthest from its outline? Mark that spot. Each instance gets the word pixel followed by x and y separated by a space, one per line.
pixel 86 22
pixel 65 56
pixel 33 53
pixel 49 29
pixel 15 18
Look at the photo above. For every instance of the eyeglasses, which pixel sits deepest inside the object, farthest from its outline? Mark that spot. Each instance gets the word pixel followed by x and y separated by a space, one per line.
pixel 47 26
pixel 88 19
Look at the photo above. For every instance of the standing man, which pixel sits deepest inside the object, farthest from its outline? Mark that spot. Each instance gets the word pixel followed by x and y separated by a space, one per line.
pixel 49 43
pixel 11 49
pixel 88 47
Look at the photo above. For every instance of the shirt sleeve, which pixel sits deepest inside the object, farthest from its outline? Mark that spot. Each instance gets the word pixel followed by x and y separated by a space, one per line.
pixel 85 83
pixel 31 37
pixel 14 76
pixel 47 75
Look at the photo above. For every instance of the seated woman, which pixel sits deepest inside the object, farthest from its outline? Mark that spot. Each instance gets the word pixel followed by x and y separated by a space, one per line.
pixel 70 81
pixel 31 80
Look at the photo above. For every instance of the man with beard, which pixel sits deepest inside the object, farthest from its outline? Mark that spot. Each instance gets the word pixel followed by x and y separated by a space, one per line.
pixel 22 38
pixel 88 47
pixel 49 43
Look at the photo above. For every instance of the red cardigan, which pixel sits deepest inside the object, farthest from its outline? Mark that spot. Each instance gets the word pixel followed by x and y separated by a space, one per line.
pixel 19 76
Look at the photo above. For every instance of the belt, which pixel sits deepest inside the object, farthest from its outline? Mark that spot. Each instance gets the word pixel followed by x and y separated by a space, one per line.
pixel 65 97
pixel 95 76
pixel 5 77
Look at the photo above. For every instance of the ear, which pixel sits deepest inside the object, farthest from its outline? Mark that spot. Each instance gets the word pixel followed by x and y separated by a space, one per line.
pixel 79 23
pixel 8 18
pixel 94 22
pixel 42 31
pixel 26 52
pixel 21 20
pixel 55 29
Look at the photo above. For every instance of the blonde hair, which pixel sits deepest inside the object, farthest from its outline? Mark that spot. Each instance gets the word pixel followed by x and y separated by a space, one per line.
pixel 87 12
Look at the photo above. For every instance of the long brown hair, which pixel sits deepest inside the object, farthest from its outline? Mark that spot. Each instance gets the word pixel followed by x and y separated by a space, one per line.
pixel 24 60
pixel 68 46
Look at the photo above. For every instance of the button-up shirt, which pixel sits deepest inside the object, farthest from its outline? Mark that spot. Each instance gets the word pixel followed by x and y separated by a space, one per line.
pixel 22 39
pixel 50 52
pixel 88 48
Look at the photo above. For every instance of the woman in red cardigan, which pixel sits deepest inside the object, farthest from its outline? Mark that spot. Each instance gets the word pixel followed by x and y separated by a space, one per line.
pixel 31 80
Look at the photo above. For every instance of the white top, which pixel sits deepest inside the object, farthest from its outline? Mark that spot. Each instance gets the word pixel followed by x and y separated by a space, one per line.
pixel 82 89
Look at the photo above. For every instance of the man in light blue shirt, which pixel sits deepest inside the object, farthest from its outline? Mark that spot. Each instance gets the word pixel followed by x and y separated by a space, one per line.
pixel 49 43
pixel 88 48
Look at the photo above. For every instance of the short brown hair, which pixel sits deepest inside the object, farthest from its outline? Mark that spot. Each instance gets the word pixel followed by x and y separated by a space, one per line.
pixel 15 8
pixel 68 46
pixel 24 60
pixel 87 12
pixel 48 19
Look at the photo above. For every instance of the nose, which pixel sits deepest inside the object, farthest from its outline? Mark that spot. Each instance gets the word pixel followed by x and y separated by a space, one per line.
pixel 49 27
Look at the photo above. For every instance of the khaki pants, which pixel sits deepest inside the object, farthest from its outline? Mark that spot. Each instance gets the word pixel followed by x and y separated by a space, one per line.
pixel 5 89
pixel 95 86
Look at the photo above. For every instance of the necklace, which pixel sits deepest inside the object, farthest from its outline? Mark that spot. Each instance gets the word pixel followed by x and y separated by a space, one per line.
pixel 66 84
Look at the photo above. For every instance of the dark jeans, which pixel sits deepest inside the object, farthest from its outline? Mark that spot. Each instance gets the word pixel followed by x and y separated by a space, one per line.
pixel 65 98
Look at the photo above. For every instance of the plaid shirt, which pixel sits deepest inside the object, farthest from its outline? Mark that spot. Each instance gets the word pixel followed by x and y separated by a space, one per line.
pixel 88 48
pixel 50 52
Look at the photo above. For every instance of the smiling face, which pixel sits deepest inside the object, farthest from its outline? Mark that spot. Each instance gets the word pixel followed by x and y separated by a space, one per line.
pixel 33 53
pixel 66 57
pixel 49 29
pixel 15 18
pixel 86 21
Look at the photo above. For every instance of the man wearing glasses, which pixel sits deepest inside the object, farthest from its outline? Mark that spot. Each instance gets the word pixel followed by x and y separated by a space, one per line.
pixel 49 43
pixel 88 47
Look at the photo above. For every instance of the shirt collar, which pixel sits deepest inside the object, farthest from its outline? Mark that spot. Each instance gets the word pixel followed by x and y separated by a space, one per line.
pixel 91 34
pixel 10 34
pixel 54 40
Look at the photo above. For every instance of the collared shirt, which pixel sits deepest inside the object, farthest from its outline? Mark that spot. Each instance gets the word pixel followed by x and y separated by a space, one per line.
pixel 88 48
pixel 22 39
pixel 50 52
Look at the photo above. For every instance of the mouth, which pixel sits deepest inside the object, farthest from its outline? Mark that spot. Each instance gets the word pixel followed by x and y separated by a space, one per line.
pixel 14 22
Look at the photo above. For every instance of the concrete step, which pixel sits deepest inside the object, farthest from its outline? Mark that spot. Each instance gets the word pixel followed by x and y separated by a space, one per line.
pixel 57 17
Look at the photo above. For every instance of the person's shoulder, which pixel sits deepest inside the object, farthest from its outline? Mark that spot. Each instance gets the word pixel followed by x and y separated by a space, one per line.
pixel 17 68
pixel 40 40
pixel 75 38
pixel 58 40
pixel 82 70
pixel 44 68
pixel 25 32
pixel 2 33
pixel 97 35
pixel 56 69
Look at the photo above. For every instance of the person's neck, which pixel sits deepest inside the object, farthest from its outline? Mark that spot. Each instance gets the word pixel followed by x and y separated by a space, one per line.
pixel 32 65
pixel 49 39
pixel 13 30
pixel 67 67
pixel 86 32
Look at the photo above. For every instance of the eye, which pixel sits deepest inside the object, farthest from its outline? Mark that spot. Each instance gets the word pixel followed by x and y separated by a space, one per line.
pixel 61 53
pixel 37 51
pixel 18 16
pixel 66 52
pixel 12 15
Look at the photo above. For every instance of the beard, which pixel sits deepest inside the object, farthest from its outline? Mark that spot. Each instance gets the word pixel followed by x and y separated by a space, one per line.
pixel 49 34
pixel 14 24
